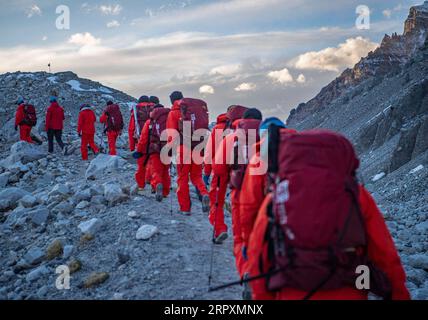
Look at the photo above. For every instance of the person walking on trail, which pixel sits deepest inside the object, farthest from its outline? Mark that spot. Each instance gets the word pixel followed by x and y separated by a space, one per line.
pixel 86 130
pixel 54 125
pixel 251 198
pixel 25 119
pixel 219 183
pixel 149 149
pixel 113 125
pixel 195 112
pixel 139 115
pixel 323 224
pixel 227 167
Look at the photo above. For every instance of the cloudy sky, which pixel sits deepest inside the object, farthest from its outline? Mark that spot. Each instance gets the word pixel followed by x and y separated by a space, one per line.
pixel 271 54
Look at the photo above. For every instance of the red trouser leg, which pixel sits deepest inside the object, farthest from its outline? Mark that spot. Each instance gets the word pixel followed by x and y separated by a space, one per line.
pixel 112 137
pixel 149 171
pixel 92 144
pixel 183 171
pixel 160 174
pixel 140 175
pixel 217 198
pixel 131 140
pixel 196 178
pixel 238 242
pixel 25 133
pixel 84 147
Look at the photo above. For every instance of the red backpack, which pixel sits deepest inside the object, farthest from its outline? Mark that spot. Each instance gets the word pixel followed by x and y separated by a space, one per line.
pixel 30 118
pixel 234 113
pixel 114 118
pixel 316 235
pixel 195 112
pixel 143 113
pixel 158 119
pixel 241 152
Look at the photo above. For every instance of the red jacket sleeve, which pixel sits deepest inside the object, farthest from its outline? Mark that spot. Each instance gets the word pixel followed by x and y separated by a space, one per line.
pixel 20 115
pixel 381 248
pixel 251 198
pixel 144 138
pixel 80 122
pixel 103 118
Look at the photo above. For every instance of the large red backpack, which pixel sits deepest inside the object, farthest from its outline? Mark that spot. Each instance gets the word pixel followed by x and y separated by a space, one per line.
pixel 30 118
pixel 195 112
pixel 114 118
pixel 234 113
pixel 241 151
pixel 158 119
pixel 316 235
pixel 143 113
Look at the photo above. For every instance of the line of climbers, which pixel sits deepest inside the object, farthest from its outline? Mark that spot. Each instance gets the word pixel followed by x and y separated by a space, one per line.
pixel 301 228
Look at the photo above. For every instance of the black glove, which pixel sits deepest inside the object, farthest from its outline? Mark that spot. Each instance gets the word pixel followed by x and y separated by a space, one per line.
pixel 137 155
pixel 16 128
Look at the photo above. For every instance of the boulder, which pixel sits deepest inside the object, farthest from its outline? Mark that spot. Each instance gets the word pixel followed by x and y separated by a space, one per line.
pixel 113 193
pixel 23 152
pixel 146 232
pixel 28 201
pixel 10 197
pixel 95 279
pixel 91 227
pixel 34 256
pixel 102 165
pixel 4 179
pixel 60 190
pixel 39 216
pixel 37 273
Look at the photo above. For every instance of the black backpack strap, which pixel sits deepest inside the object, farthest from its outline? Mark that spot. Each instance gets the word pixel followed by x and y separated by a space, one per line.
pixel 148 144
pixel 274 137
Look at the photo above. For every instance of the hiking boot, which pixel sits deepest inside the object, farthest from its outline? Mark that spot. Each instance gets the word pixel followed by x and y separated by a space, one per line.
pixel 221 238
pixel 65 151
pixel 140 191
pixel 159 193
pixel 185 213
pixel 206 203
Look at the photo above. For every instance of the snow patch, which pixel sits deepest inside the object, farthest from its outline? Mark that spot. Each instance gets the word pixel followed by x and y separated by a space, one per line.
pixel 418 168
pixel 75 85
pixel 378 176
pixel 53 79
pixel 105 90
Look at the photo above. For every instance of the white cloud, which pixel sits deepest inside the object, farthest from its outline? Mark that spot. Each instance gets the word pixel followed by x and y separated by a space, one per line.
pixel 113 10
pixel 246 86
pixel 113 24
pixel 84 39
pixel 226 70
pixel 301 79
pixel 387 13
pixel 206 89
pixel 281 76
pixel 33 11
pixel 334 59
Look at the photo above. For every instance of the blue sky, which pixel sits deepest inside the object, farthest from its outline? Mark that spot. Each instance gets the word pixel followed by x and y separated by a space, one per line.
pixel 272 54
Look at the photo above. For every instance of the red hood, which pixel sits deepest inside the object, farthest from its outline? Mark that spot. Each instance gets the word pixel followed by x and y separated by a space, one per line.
pixel 222 118
pixel 176 105
pixel 54 105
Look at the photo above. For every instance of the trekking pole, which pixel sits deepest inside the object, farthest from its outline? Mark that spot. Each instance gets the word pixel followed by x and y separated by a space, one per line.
pixel 171 189
pixel 213 237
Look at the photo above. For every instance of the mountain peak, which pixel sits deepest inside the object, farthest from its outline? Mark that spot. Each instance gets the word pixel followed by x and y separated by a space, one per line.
pixel 417 20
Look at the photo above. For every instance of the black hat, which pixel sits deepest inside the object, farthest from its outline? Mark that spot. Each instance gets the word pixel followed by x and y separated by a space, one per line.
pixel 143 99
pixel 176 95
pixel 253 113
pixel 109 103
pixel 154 99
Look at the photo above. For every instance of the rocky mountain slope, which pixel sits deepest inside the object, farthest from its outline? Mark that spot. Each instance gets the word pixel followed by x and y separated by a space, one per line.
pixel 382 106
pixel 60 211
